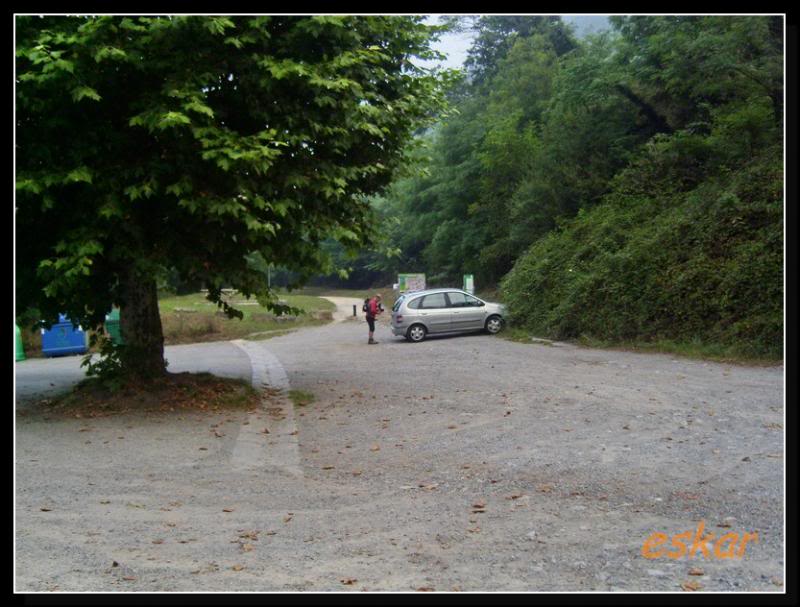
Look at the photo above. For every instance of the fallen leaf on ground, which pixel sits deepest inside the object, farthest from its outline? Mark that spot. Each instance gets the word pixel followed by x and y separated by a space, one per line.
pixel 691 586
pixel 129 578
pixel 696 571
pixel 375 448
pixel 348 581
pixel 227 509
pixel 248 547
pixel 327 467
pixel 237 567
pixel 158 541
pixel 425 589
pixel 286 519
pixel 45 509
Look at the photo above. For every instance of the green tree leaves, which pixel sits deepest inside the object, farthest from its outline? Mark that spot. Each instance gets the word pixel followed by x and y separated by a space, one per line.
pixel 607 180
pixel 191 142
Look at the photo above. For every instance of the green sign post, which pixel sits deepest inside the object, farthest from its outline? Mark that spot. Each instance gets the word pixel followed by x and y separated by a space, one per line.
pixel 469 283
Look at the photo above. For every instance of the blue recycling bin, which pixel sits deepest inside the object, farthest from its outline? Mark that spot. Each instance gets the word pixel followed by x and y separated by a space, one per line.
pixel 63 339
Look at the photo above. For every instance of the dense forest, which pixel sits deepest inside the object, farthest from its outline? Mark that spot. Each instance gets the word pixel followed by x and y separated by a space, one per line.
pixel 627 186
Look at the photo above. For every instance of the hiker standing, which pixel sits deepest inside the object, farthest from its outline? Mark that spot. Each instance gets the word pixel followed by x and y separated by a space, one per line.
pixel 373 308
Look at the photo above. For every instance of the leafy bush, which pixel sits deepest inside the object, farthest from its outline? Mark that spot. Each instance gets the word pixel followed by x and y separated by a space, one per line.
pixel 680 250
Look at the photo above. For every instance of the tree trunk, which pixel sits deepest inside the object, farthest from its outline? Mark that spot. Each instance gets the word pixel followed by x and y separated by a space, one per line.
pixel 140 325
pixel 658 122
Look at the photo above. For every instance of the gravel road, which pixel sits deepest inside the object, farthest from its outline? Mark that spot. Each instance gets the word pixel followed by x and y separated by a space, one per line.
pixel 466 463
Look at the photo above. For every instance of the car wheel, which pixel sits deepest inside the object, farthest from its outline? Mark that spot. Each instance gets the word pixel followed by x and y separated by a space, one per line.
pixel 416 333
pixel 494 324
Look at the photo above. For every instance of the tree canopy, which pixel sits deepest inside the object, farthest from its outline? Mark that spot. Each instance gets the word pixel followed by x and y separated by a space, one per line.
pixel 191 143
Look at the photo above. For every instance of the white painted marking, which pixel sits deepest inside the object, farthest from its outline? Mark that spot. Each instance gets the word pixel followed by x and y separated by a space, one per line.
pixel 279 448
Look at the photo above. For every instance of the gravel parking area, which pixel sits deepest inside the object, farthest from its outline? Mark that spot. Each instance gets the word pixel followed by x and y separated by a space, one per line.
pixel 466 463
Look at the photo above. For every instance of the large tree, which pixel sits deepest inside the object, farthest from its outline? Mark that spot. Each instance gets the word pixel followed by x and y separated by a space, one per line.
pixel 195 142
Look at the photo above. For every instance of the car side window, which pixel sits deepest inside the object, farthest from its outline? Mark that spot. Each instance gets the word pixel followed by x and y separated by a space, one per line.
pixel 414 303
pixel 436 300
pixel 472 301
pixel 457 300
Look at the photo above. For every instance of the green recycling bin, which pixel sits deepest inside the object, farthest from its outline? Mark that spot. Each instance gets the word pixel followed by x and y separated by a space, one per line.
pixel 20 348
pixel 112 326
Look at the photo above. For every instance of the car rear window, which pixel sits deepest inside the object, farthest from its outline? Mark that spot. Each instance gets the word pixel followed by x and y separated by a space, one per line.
pixel 398 303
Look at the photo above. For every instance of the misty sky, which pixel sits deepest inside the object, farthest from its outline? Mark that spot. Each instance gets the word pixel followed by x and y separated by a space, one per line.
pixel 457 45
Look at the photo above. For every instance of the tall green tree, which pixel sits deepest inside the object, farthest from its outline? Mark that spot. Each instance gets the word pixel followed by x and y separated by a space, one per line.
pixel 192 142
pixel 495 35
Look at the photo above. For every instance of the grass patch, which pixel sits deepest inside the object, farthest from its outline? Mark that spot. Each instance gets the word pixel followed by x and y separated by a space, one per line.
pixel 692 350
pixel 301 398
pixel 198 392
pixel 516 334
pixel 192 318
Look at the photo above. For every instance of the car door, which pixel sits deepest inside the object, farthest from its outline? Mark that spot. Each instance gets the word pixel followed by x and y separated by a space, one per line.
pixel 433 311
pixel 466 312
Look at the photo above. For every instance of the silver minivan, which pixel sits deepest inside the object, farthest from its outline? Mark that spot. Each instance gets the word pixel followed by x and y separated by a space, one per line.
pixel 435 311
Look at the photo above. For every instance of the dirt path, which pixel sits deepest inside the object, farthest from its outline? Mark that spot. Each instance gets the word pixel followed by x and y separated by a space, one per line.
pixel 344 308
pixel 464 463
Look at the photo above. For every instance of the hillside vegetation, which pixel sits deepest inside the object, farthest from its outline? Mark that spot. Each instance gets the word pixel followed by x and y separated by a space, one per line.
pixel 623 188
